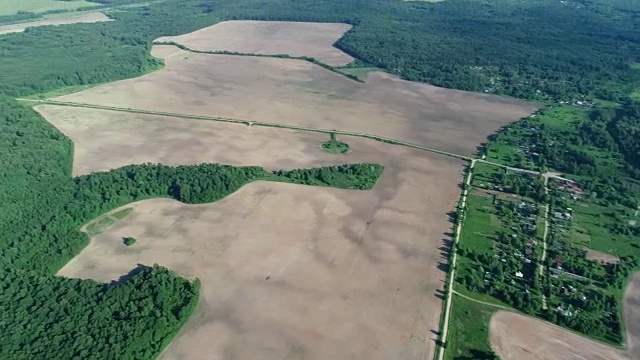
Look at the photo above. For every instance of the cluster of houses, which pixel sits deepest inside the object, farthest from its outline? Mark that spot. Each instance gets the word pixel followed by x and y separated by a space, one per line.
pixel 561 220
pixel 581 103
pixel 527 213
pixel 572 188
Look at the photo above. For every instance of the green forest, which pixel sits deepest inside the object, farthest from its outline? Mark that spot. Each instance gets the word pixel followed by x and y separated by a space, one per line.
pixel 544 50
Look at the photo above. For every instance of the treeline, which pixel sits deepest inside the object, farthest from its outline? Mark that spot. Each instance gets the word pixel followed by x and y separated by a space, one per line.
pixel 617 130
pixel 543 50
pixel 279 56
pixel 44 207
pixel 20 16
pixel 45 316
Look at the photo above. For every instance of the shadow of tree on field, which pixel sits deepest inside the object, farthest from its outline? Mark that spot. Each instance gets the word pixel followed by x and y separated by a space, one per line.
pixel 128 276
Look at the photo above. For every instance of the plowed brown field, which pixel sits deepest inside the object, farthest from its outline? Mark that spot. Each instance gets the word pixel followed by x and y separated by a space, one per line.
pixel 295 92
pixel 517 337
pixel 270 38
pixel 287 271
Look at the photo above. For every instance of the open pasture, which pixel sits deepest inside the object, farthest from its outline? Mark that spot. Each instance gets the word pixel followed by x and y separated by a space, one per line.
pixel 71 18
pixel 270 38
pixel 288 272
pixel 295 92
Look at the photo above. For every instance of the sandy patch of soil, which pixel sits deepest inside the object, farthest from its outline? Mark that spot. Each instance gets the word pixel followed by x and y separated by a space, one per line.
pixel 288 271
pixel 299 93
pixel 601 256
pixel 87 17
pixel 270 38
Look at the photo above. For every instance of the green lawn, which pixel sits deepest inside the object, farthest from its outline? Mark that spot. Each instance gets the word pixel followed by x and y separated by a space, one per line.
pixel 9 7
pixel 480 297
pixel 99 225
pixel 483 174
pixel 480 224
pixel 591 223
pixel 122 213
pixel 468 330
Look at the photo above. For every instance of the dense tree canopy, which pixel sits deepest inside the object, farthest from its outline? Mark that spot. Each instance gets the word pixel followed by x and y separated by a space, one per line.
pixel 46 317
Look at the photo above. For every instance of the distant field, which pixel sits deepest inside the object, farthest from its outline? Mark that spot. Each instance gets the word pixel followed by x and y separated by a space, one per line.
pixel 270 38
pixel 64 19
pixel 285 90
pixel 9 7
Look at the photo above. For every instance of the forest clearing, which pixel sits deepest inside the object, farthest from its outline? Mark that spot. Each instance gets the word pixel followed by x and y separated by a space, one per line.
pixel 64 19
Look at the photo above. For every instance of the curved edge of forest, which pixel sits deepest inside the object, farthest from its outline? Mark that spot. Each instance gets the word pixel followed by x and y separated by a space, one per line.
pixel 42 212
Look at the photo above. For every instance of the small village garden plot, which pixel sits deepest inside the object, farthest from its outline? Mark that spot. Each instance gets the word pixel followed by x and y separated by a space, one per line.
pixel 583 294
pixel 498 250
pixel 481 223
pixel 583 219
pixel 509 182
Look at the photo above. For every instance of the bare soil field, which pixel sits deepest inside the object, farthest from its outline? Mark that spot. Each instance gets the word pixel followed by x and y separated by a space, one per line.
pixel 107 139
pixel 601 256
pixel 296 92
pixel 518 337
pixel 287 271
pixel 87 17
pixel 270 38
pixel 631 309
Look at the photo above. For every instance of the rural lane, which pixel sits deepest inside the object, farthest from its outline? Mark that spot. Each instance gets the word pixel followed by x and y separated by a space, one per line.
pixel 449 296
